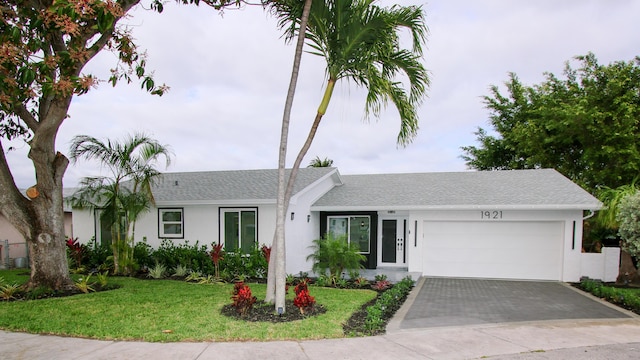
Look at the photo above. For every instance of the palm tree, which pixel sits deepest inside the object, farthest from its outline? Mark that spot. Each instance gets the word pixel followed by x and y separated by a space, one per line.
pixel 277 284
pixel 317 162
pixel 360 41
pixel 611 199
pixel 126 193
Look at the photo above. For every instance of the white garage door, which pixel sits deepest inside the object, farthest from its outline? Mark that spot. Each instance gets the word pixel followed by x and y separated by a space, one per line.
pixel 502 250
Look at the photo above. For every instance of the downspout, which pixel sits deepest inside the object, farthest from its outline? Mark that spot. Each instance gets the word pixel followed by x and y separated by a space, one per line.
pixel 589 215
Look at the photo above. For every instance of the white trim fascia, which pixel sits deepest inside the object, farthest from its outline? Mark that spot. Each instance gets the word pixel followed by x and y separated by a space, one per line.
pixel 592 207
pixel 318 181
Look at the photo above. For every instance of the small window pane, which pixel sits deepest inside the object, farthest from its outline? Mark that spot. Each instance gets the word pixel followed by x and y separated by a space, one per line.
pixel 248 239
pixel 172 229
pixel 359 233
pixel 338 227
pixel 172 216
pixel 231 222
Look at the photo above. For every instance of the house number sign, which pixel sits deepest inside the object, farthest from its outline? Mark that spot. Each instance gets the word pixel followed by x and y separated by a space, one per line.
pixel 491 215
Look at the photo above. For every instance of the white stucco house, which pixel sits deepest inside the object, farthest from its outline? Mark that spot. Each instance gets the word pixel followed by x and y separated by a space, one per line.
pixel 518 224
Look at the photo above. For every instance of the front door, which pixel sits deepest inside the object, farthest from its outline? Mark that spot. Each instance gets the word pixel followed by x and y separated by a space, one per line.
pixel 393 242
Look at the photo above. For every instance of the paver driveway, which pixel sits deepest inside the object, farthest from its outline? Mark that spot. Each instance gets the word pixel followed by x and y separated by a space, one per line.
pixel 454 302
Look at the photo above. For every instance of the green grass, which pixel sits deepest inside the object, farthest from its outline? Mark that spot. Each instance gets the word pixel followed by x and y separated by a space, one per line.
pixel 143 309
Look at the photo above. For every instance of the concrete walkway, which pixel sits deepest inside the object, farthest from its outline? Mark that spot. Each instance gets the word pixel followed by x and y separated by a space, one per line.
pixel 552 339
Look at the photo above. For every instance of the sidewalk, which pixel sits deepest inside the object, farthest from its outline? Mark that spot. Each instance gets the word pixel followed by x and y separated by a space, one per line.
pixel 468 342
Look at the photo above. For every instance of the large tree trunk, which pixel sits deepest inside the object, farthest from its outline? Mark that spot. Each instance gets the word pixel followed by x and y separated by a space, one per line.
pixel 628 274
pixel 40 219
pixel 47 247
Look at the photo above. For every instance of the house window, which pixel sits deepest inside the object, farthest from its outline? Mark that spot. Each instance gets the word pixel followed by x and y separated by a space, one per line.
pixel 171 223
pixel 239 229
pixel 104 228
pixel 356 229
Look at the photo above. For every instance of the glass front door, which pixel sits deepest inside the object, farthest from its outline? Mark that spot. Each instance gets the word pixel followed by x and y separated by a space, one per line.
pixel 393 242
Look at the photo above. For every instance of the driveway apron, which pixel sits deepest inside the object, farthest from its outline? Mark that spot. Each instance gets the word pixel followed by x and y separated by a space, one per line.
pixel 456 302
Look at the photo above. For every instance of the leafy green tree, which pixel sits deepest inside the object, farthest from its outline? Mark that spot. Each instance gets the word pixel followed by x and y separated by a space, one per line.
pixel 360 42
pixel 317 162
pixel 585 124
pixel 44 47
pixel 628 218
pixel 126 192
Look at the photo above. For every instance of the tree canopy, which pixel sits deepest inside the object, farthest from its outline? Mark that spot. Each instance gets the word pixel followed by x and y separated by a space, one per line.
pixel 585 124
pixel 44 48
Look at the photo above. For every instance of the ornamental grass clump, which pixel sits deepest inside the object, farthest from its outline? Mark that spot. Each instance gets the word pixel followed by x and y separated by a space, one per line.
pixel 242 298
pixel 84 285
pixel 303 300
pixel 7 291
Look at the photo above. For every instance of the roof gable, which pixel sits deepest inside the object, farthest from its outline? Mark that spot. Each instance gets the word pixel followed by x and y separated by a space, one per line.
pixel 539 188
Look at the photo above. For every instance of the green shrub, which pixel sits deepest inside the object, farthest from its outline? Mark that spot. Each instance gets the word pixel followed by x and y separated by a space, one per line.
pixel 629 298
pixel 143 254
pixel 195 257
pixel 335 255
pixel 386 305
pixel 235 266
pixel 97 257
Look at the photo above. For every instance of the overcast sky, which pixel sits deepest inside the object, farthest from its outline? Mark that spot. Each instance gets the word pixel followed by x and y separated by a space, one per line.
pixel 229 75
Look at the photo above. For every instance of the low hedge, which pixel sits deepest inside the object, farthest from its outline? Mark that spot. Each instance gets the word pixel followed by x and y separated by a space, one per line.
pixel 626 297
pixel 386 305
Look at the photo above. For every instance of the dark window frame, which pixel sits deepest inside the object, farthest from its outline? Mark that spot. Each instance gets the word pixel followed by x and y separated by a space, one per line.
pixel 225 209
pixel 161 234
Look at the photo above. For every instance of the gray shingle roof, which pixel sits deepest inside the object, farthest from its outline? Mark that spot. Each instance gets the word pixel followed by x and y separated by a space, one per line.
pixel 541 188
pixel 249 185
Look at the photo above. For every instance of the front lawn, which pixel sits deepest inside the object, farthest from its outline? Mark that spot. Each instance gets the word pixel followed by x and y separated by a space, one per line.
pixel 169 310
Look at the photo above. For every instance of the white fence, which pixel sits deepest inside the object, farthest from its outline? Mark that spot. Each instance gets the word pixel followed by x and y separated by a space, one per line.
pixel 601 266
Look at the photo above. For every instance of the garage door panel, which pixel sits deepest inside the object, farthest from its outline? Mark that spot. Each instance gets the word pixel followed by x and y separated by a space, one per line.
pixel 517 250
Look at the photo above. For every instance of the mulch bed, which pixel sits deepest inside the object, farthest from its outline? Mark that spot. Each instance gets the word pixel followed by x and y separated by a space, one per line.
pixel 265 312
pixel 42 293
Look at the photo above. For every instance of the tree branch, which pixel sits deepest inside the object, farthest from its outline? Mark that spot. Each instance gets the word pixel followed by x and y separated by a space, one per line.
pixel 13 205
pixel 26 116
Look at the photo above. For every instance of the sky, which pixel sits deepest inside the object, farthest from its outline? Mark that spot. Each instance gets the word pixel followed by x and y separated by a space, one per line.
pixel 228 77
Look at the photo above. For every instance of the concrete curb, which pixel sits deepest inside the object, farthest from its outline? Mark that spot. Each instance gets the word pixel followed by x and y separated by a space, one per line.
pixel 394 324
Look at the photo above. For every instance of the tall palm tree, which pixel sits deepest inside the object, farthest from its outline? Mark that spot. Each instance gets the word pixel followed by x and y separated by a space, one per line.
pixel 360 41
pixel 276 274
pixel 126 193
